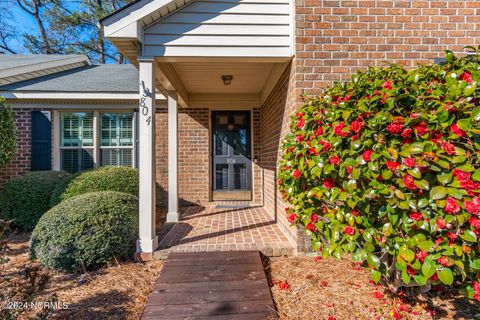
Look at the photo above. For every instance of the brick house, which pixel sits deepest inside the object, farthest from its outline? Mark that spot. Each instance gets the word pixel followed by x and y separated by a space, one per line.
pixel 219 80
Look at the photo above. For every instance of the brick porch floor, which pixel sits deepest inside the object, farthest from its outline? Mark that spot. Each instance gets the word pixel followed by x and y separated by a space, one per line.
pixel 219 228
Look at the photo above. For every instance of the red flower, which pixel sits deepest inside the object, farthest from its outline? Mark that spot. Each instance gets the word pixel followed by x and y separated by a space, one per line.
pixel 329 183
pixel 451 236
pixel 335 160
pixel 466 76
pixel 395 127
pixel 421 256
pixel 378 295
pixel 301 123
pixel 331 318
pixel 448 147
pixel 387 85
pixel 395 314
pixel 409 162
pixel 291 218
pixel 451 206
pixel 367 155
pixel 349 170
pixel 435 136
pixel 318 132
pixel 461 175
pixel 406 133
pixel 443 261
pixel 338 130
pixel 313 151
pixel 349 230
pixel 471 207
pixel 356 126
pixel 314 218
pixel 434 277
pixel 296 174
pixel 476 289
pixel 455 129
pixel 326 145
pixel 474 222
pixel 300 137
pixel 392 165
pixel 409 182
pixel 421 128
pixel 311 227
pixel 441 223
pixel 355 212
pixel 416 216
pixel 411 271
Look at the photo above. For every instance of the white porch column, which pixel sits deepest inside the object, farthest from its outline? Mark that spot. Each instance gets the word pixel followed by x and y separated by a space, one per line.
pixel 172 215
pixel 148 241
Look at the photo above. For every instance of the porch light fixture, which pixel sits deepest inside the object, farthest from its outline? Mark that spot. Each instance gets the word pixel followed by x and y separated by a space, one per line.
pixel 227 79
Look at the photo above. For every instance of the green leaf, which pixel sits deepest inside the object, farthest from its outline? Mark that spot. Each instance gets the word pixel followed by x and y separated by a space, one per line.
pixel 417 147
pixel 446 276
pixel 438 193
pixel 420 280
pixel 476 175
pixel 405 277
pixel 407 254
pixel 415 173
pixel 469 235
pixel 376 276
pixel 470 89
pixel 428 268
pixel 445 178
pixel 426 245
pixel 422 184
pixel 476 114
pixel 399 194
pixel 373 261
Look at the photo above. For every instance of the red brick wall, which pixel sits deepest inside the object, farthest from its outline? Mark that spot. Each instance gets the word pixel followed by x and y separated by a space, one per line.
pixel 21 162
pixel 334 38
pixel 193 156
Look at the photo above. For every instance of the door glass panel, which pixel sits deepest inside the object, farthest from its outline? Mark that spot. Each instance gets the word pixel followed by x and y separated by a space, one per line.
pixel 240 176
pixel 239 119
pixel 222 119
pixel 221 176
pixel 240 142
pixel 221 142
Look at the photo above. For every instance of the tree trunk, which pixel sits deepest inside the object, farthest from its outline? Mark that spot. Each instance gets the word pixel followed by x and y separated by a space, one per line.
pixel 46 49
pixel 101 40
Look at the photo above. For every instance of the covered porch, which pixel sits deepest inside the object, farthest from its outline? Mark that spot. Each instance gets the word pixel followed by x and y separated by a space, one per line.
pixel 217 63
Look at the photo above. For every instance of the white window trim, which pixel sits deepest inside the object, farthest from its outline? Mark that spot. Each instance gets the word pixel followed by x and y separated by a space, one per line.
pixel 57 133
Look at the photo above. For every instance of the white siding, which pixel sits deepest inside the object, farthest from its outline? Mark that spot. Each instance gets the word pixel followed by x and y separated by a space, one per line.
pixel 223 28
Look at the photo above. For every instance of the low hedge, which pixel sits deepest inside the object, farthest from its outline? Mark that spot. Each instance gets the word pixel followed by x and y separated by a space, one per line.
pixel 26 198
pixel 121 179
pixel 91 230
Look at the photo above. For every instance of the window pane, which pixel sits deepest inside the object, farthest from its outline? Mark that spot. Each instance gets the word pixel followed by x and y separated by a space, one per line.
pixel 117 157
pixel 116 129
pixel 77 129
pixel 221 176
pixel 74 160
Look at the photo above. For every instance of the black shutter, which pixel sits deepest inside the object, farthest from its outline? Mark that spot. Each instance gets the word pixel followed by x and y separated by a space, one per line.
pixel 41 141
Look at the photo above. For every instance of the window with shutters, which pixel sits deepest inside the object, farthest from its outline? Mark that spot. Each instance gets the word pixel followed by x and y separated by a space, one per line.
pixel 91 139
pixel 116 139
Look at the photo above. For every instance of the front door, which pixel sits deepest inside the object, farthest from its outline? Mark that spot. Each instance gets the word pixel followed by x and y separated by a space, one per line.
pixel 232 164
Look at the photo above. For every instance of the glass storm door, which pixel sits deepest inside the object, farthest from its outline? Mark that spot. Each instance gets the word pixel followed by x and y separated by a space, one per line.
pixel 232 165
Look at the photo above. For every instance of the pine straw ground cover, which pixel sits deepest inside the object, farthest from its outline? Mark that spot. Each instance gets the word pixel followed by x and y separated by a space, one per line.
pixel 311 288
pixel 116 292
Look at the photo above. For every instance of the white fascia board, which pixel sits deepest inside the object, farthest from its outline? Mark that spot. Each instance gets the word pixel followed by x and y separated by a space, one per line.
pixel 43 65
pixel 74 95
pixel 132 15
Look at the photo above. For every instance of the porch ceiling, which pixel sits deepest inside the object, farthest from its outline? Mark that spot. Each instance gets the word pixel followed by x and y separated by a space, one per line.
pixel 197 80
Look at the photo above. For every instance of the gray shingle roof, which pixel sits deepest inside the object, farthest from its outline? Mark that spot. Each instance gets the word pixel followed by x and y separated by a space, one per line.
pixel 8 61
pixel 95 78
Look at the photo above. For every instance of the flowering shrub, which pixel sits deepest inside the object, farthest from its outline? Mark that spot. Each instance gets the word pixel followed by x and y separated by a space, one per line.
pixel 387 167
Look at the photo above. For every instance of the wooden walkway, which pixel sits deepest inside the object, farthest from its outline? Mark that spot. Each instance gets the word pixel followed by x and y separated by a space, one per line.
pixel 211 285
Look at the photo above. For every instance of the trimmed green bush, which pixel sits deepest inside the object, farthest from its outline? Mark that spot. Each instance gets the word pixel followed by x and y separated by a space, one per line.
pixel 26 198
pixel 7 133
pixel 121 179
pixel 90 230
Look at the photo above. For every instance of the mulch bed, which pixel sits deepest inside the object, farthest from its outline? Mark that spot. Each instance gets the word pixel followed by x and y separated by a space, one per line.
pixel 116 292
pixel 308 288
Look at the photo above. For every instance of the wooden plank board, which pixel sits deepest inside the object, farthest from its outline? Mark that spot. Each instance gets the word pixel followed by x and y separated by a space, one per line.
pixel 211 285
